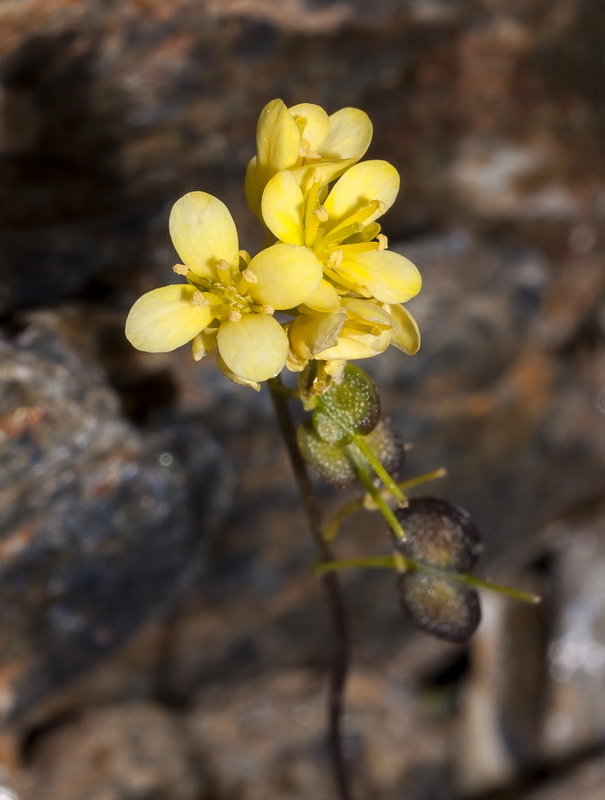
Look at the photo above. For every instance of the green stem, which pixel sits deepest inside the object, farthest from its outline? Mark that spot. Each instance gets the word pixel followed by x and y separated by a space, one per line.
pixel 509 591
pixel 378 468
pixel 424 478
pixel 381 503
pixel 371 562
pixel 331 529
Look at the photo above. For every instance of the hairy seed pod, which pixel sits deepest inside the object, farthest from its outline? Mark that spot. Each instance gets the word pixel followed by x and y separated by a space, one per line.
pixel 330 461
pixel 386 442
pixel 440 606
pixel 439 534
pixel 353 404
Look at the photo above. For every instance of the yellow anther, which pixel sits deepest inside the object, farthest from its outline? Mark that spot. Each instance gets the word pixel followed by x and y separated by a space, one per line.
pixel 269 310
pixel 180 269
pixel 249 275
pixel 335 259
pixel 321 213
pixel 198 299
pixel 383 242
pixel 234 316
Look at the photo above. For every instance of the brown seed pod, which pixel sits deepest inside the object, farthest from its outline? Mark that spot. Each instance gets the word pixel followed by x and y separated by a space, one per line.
pixel 440 606
pixel 440 535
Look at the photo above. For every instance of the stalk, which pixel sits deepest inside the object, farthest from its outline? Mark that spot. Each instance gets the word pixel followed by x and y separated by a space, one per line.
pixel 332 590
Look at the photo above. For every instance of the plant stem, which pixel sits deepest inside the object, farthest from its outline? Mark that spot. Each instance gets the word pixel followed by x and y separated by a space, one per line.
pixel 332 590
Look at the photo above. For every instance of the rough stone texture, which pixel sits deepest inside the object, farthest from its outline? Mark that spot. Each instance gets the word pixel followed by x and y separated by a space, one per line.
pixel 111 110
pixel 136 751
pixel 267 739
pixel 96 528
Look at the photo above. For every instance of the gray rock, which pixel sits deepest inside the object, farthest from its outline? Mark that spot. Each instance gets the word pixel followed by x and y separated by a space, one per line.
pixel 96 525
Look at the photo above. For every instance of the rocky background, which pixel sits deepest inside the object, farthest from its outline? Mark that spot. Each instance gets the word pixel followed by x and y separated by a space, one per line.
pixel 161 634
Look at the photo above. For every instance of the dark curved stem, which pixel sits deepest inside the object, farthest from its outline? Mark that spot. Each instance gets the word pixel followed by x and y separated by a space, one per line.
pixel 332 590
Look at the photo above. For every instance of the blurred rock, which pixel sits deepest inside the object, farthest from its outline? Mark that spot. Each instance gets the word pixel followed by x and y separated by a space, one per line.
pixel 268 739
pixel 586 781
pixel 505 390
pixel 110 111
pixel 96 525
pixel 135 751
pixel 575 716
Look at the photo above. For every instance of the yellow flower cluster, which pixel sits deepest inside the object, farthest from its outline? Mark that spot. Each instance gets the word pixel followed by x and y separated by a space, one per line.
pixel 329 267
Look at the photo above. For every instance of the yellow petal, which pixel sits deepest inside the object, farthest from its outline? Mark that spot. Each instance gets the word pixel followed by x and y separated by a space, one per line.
pixel 311 333
pixel 203 231
pixel 325 298
pixel 254 348
pixel 350 348
pixel 404 334
pixel 166 318
pixel 317 123
pixel 204 343
pixel 367 310
pixel 277 138
pixel 328 171
pixel 370 180
pixel 385 275
pixel 253 186
pixel 287 275
pixel 282 208
pixel 235 378
pixel 277 144
pixel 349 136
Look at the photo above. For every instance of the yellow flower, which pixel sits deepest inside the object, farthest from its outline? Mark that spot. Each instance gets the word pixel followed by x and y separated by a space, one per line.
pixel 360 329
pixel 342 232
pixel 302 138
pixel 229 300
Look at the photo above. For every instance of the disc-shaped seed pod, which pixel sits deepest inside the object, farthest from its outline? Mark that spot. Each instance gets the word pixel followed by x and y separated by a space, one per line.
pixel 440 606
pixel 330 461
pixel 353 404
pixel 439 534
pixel 386 442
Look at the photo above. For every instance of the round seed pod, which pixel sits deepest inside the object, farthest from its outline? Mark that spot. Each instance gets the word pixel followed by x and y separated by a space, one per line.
pixel 440 535
pixel 440 606
pixel 330 461
pixel 354 403
pixel 386 442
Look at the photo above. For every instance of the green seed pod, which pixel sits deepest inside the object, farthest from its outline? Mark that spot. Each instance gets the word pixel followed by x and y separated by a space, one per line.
pixel 386 442
pixel 440 606
pixel 330 461
pixel 439 535
pixel 349 407
pixel 328 429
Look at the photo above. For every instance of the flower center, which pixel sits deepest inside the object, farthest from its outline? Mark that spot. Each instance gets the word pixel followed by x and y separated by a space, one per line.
pixel 228 294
